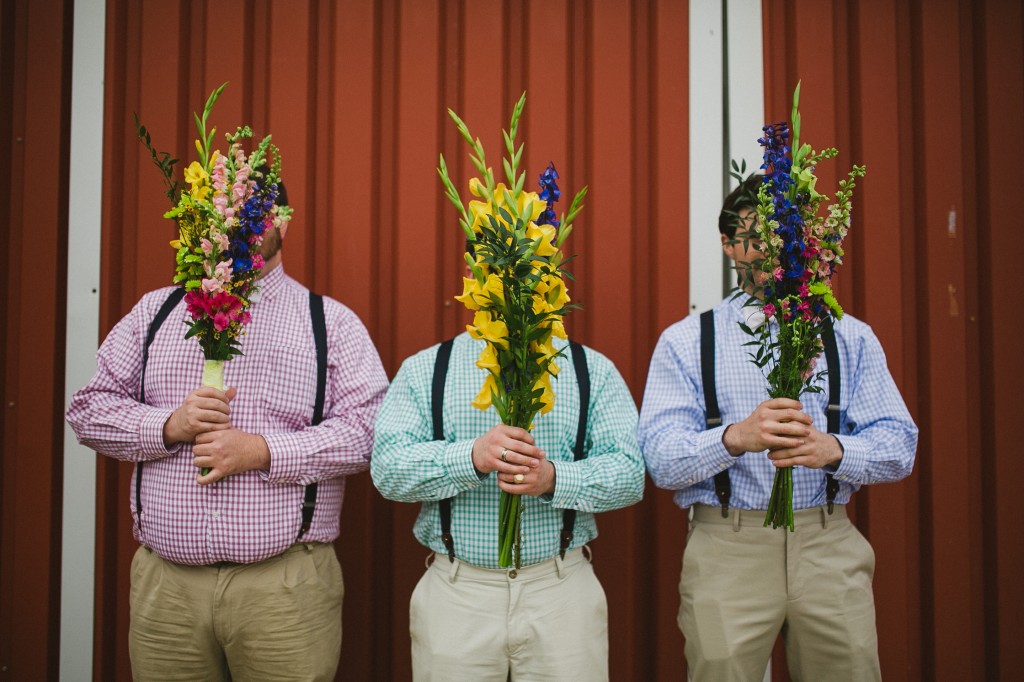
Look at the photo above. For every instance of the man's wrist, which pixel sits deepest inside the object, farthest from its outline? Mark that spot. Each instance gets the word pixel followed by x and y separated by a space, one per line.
pixel 734 449
pixel 554 478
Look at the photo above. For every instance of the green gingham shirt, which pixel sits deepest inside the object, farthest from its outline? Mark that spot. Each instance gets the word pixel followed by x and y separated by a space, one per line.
pixel 408 465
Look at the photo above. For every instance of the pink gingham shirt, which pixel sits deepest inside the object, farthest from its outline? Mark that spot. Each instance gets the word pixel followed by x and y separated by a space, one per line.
pixel 254 515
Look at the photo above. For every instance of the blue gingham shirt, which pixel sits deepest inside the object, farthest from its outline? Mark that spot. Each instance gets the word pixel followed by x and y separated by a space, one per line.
pixel 878 436
pixel 408 465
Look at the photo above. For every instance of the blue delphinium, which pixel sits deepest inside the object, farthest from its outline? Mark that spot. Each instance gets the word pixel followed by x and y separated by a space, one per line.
pixel 550 193
pixel 250 225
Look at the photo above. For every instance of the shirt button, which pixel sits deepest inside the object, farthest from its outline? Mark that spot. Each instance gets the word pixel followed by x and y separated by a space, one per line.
pixel 512 574
pixel 215 514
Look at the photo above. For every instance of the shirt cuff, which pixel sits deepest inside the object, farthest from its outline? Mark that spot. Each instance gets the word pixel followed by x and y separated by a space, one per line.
pixel 286 458
pixel 568 485
pixel 855 460
pixel 711 451
pixel 457 461
pixel 151 434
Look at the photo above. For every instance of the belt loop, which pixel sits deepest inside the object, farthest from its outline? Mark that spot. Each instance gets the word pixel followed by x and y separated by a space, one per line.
pixel 735 520
pixel 824 517
pixel 453 571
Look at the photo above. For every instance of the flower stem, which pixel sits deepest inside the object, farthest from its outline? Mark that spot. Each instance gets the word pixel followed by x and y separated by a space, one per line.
pixel 213 377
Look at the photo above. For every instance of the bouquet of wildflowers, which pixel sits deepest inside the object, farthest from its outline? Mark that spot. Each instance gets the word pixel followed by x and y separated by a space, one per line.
pixel 222 215
pixel 517 291
pixel 801 250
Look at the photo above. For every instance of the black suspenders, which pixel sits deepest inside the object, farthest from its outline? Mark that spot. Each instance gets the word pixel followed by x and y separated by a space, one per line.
pixel 579 361
pixel 161 315
pixel 713 418
pixel 444 353
pixel 316 313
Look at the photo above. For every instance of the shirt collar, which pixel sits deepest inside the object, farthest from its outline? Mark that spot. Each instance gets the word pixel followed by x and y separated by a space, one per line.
pixel 269 284
pixel 749 313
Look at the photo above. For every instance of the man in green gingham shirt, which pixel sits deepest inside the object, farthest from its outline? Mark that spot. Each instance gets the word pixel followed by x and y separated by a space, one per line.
pixel 470 619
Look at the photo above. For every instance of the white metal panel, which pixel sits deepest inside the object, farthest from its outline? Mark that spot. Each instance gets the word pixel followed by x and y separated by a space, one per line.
pixel 78 545
pixel 745 82
pixel 706 152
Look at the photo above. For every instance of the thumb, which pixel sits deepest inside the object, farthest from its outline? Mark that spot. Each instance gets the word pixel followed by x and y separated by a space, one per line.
pixel 230 394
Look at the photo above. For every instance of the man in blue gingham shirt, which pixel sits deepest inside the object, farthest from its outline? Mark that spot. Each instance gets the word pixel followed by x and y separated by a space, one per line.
pixel 743 583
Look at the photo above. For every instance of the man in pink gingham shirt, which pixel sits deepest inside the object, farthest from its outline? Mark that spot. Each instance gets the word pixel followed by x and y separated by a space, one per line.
pixel 222 588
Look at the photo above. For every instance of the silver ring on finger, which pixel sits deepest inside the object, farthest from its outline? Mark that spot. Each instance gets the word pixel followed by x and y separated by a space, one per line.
pixel 504 451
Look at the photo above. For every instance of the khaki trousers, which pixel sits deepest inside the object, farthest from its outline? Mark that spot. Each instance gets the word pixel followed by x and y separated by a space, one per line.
pixel 742 584
pixel 543 622
pixel 278 619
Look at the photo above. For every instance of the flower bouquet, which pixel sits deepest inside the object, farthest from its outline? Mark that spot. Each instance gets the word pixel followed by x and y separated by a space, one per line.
pixel 517 291
pixel 800 251
pixel 222 217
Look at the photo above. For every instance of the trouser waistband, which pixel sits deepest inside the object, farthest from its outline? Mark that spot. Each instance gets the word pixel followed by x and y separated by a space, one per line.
pixel 750 518
pixel 459 569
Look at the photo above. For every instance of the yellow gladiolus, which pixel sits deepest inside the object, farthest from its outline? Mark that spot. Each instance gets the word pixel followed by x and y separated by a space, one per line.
pixel 558 329
pixel 548 352
pixel 547 399
pixel 195 174
pixel 552 288
pixel 488 329
pixel 546 234
pixel 197 177
pixel 469 288
pixel 536 206
pixel 484 398
pixel 489 360
pixel 474 296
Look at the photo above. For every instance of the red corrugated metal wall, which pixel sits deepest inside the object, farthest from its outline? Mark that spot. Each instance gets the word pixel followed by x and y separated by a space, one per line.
pixel 35 94
pixel 928 95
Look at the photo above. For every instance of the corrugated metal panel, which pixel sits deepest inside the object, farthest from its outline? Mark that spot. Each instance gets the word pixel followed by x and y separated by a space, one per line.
pixel 928 95
pixel 34 123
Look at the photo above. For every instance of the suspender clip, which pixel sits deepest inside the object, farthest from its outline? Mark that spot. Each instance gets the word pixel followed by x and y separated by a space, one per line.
pixel 449 544
pixel 566 541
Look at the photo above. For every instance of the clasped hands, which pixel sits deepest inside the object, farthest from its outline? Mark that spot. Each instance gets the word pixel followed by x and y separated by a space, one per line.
pixel 781 427
pixel 204 418
pixel 523 468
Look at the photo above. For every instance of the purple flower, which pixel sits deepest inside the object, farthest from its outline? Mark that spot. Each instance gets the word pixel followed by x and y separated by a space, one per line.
pixel 550 193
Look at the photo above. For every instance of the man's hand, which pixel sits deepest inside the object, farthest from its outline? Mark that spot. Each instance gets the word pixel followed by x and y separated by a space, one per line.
pixel 776 424
pixel 818 450
pixel 540 481
pixel 227 452
pixel 205 409
pixel 507 450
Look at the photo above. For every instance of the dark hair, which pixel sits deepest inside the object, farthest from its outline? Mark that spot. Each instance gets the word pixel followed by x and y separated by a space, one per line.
pixel 744 197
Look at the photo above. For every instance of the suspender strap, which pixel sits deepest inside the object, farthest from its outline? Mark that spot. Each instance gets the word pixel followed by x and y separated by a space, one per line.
pixel 712 415
pixel 170 304
pixel 828 339
pixel 579 363
pixel 316 314
pixel 444 353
